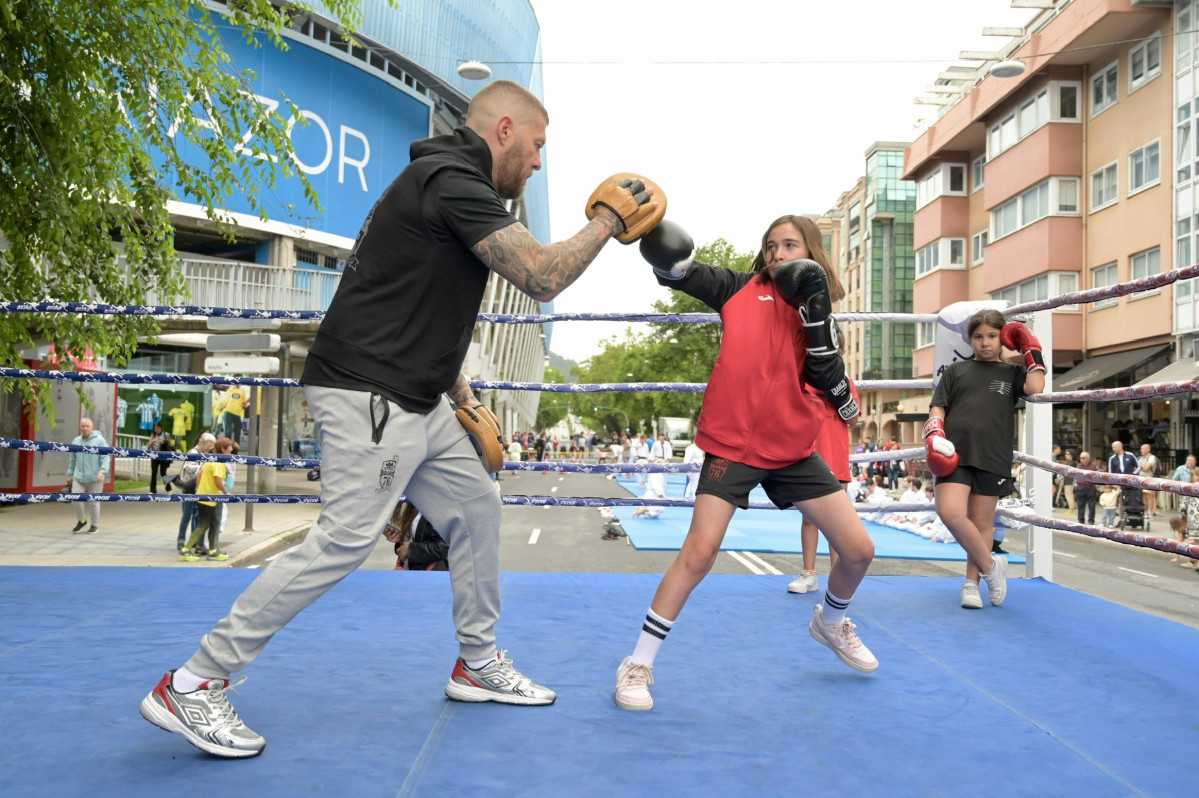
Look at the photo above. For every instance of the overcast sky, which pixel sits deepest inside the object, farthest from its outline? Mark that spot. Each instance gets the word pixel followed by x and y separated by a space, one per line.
pixel 733 144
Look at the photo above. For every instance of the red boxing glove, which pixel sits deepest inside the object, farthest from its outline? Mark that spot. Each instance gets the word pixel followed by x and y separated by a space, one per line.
pixel 1017 337
pixel 942 455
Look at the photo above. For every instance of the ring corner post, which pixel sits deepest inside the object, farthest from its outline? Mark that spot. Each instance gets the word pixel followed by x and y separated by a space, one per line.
pixel 1038 437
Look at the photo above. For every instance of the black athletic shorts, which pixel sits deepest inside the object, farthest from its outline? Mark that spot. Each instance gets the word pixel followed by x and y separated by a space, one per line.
pixel 984 483
pixel 808 479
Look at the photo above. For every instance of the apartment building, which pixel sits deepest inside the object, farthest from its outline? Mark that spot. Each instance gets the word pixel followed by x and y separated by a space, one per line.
pixel 1077 174
pixel 876 264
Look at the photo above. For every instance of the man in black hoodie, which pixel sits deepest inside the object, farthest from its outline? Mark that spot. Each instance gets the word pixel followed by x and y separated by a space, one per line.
pixel 388 351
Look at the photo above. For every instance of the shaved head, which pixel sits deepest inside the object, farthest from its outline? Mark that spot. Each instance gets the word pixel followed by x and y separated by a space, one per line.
pixel 502 98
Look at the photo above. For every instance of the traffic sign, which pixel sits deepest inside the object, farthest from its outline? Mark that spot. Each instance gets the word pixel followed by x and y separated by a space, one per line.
pixel 247 342
pixel 245 364
pixel 215 323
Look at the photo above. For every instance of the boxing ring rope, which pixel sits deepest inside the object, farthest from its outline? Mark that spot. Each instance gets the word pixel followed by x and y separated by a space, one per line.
pixel 1078 297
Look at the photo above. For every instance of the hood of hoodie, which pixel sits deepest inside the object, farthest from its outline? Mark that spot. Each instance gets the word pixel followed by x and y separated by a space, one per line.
pixel 464 143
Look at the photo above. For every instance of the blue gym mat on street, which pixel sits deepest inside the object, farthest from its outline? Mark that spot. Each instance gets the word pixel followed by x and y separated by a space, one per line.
pixel 769 530
pixel 1055 693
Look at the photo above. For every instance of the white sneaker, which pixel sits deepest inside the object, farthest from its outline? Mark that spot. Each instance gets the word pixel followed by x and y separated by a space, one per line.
pixel 632 685
pixel 844 642
pixel 804 583
pixel 997 580
pixel 971 598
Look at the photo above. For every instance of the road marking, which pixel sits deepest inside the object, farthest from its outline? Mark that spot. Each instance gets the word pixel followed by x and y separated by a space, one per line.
pixel 534 536
pixel 1132 571
pixel 770 569
pixel 554 489
pixel 1064 554
pixel 273 556
pixel 749 565
pixel 561 478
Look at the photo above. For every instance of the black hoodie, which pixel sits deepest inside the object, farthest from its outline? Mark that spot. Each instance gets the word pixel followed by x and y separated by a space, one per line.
pixel 402 318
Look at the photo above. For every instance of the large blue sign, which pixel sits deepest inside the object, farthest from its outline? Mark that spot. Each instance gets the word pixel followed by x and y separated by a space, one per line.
pixel 355 141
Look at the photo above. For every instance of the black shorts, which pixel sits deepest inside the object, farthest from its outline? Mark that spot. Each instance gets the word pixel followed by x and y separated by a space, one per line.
pixel 984 483
pixel 808 479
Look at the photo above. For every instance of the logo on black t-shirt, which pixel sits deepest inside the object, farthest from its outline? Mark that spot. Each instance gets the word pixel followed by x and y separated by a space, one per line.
pixel 1000 387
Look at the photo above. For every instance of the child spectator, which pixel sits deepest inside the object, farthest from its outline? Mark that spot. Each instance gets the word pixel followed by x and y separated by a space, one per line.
pixel 1107 500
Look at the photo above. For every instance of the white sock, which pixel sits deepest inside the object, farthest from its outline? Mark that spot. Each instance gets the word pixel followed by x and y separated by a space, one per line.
pixel 184 681
pixel 653 635
pixel 476 664
pixel 833 612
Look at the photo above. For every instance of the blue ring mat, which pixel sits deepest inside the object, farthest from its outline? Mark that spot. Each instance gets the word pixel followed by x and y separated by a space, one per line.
pixel 769 531
pixel 1055 693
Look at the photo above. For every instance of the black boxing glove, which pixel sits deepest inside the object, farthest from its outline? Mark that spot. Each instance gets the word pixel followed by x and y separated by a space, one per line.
pixel 803 285
pixel 669 249
pixel 827 374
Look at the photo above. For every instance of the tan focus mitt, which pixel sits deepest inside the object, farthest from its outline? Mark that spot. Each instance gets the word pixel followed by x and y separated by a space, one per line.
pixel 629 197
pixel 484 433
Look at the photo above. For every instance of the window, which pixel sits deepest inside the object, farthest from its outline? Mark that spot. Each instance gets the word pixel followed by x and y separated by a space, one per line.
pixel 949 253
pixel 1183 256
pixel 1053 197
pixel 947 179
pixel 1147 263
pixel 978 242
pixel 925 334
pixel 978 165
pixel 1065 101
pixel 1144 167
pixel 855 225
pixel 1103 276
pixel 1067 195
pixel 1182 135
pixel 1103 89
pixel 1040 288
pixel 1002 136
pixel 1103 186
pixel 1144 62
pixel 928 258
pixel 957 179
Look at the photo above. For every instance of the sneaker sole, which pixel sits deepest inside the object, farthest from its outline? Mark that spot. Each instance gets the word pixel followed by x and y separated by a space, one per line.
pixel 972 606
pixel 793 589
pixel 857 667
pixel 634 707
pixel 476 695
pixel 153 712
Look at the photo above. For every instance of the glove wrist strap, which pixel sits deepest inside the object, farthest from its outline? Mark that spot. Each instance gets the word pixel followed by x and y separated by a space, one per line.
pixel 1034 360
pixel 934 426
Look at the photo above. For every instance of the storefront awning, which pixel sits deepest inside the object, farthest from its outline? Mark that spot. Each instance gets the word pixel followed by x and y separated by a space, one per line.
pixel 1096 369
pixel 1178 371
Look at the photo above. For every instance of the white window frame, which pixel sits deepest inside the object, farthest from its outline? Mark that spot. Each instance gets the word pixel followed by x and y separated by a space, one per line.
pixel 1111 88
pixel 1050 188
pixel 1101 172
pixel 1114 266
pixel 1142 261
pixel 1055 283
pixel 936 183
pixel 1143 153
pixel 1055 100
pixel 978 244
pixel 938 255
pixel 977 172
pixel 926 334
pixel 1143 50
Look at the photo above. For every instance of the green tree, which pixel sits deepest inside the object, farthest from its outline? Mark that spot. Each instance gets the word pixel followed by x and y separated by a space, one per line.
pixel 97 100
pixel 667 352
pixel 553 406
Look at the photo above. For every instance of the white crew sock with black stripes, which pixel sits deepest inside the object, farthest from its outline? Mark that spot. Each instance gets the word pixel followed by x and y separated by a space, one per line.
pixel 833 612
pixel 653 634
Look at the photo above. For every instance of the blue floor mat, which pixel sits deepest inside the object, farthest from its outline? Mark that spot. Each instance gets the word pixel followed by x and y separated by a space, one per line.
pixel 771 531
pixel 1063 689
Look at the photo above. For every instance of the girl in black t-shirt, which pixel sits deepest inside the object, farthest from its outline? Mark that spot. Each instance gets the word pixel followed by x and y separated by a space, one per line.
pixel 969 434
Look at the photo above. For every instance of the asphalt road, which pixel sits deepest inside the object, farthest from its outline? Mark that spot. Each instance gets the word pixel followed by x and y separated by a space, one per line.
pixel 568 539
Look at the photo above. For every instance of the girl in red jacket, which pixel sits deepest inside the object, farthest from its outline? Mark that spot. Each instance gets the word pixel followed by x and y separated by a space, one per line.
pixel 759 425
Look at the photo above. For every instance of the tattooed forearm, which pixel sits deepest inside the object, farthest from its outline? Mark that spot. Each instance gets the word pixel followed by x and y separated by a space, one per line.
pixel 461 393
pixel 543 271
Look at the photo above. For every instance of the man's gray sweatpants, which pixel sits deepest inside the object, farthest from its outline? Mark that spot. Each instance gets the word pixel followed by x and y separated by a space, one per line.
pixel 426 457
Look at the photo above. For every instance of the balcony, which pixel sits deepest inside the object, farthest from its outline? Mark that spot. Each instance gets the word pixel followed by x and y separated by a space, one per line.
pixel 236 284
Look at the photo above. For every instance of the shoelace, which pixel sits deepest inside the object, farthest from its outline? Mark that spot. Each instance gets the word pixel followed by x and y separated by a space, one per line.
pixel 638 675
pixel 849 635
pixel 226 714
